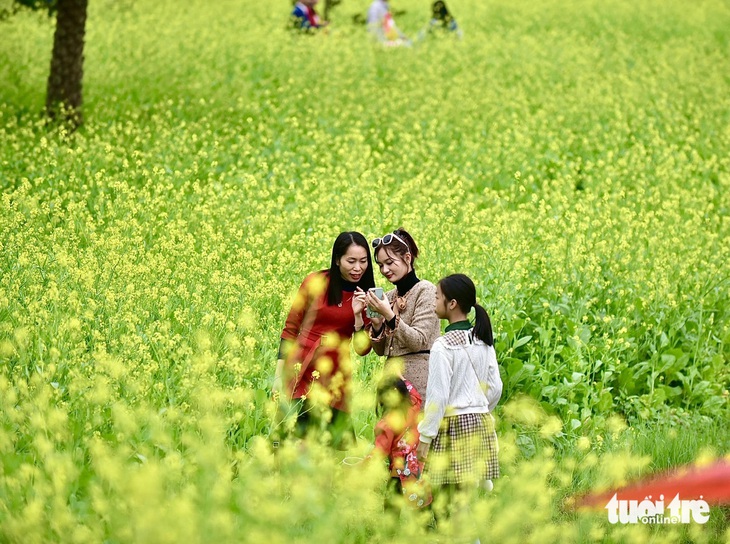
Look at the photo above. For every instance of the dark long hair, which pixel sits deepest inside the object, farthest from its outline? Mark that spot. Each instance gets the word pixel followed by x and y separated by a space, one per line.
pixel 441 12
pixel 460 288
pixel 339 248
pixel 385 402
pixel 401 249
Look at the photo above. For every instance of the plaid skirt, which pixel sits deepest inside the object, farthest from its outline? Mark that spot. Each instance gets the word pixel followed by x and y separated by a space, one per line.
pixel 464 450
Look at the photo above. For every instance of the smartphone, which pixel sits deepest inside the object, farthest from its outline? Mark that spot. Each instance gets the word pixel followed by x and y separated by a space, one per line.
pixel 378 291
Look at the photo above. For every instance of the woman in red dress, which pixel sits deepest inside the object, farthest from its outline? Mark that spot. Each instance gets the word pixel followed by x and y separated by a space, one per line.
pixel 314 370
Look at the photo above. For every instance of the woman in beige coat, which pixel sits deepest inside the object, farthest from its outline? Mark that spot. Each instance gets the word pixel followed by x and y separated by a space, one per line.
pixel 408 325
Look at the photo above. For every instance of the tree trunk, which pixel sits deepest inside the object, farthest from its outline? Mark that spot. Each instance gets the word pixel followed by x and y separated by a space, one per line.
pixel 67 62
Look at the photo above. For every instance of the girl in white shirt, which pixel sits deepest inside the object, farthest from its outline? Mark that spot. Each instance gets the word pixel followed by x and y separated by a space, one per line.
pixel 457 433
pixel 382 25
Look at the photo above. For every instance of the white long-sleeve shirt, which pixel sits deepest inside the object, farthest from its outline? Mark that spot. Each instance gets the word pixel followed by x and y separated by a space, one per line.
pixel 463 378
pixel 377 11
pixel 381 24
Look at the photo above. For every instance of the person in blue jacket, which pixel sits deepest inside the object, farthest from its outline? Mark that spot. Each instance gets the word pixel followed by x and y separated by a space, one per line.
pixel 305 17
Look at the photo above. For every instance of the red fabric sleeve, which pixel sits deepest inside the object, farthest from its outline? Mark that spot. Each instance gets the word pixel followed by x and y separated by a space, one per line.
pixel 293 324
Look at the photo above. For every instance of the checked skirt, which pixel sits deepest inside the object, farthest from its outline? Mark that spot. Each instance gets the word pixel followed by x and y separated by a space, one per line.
pixel 464 451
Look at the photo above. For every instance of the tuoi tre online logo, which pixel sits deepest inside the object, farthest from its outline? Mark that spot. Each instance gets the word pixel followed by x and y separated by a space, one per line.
pixel 655 512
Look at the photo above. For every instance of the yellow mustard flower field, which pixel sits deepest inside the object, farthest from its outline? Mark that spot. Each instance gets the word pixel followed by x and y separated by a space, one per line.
pixel 573 158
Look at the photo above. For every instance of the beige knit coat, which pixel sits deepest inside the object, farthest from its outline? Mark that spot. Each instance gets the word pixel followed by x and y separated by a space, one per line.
pixel 417 328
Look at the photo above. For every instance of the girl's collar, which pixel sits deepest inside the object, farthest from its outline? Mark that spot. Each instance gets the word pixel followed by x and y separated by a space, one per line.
pixel 459 326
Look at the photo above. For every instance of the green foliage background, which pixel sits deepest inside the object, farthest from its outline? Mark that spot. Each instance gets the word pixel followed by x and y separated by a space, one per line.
pixel 572 157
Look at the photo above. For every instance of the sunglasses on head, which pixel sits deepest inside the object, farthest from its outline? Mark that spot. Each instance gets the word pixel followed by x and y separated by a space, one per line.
pixel 387 239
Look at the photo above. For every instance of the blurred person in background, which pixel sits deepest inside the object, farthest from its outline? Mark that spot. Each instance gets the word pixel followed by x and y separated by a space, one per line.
pixel 441 21
pixel 407 325
pixel 382 25
pixel 314 370
pixel 304 16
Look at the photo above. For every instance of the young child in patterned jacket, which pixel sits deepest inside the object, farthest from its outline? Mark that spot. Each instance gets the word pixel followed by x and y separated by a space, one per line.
pixel 396 439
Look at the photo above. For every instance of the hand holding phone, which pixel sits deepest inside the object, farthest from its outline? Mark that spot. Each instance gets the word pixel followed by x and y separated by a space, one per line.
pixel 378 292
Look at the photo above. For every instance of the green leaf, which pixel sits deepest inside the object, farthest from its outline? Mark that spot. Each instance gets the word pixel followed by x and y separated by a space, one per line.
pixel 526 446
pixel 605 402
pixel 670 392
pixel 514 366
pixel 659 397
